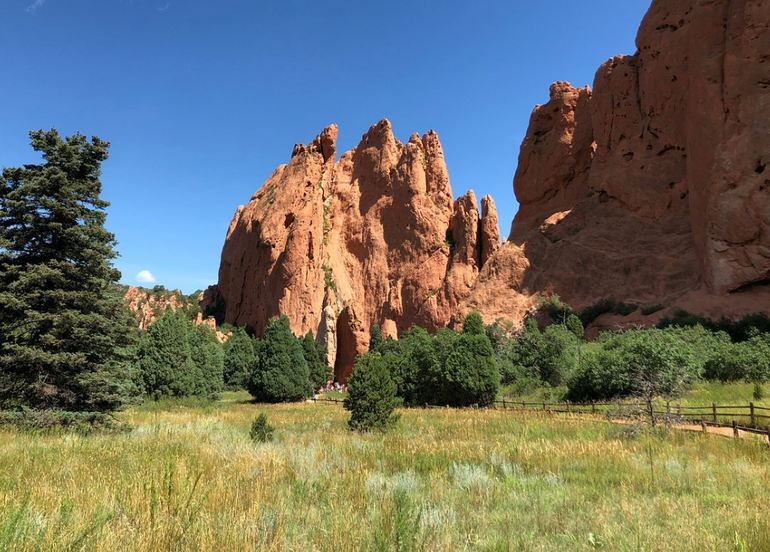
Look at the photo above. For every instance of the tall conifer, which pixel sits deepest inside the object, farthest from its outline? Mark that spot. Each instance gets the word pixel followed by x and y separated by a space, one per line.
pixel 64 330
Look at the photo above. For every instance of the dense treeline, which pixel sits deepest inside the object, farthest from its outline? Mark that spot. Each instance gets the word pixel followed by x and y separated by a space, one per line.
pixel 551 352
pixel 660 361
pixel 177 358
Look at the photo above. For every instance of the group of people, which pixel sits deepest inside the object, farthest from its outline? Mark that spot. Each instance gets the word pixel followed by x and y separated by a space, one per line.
pixel 332 386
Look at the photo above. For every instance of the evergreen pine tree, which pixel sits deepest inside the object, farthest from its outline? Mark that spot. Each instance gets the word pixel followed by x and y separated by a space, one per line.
pixel 165 362
pixel 319 370
pixel 375 338
pixel 65 330
pixel 281 373
pixel 209 358
pixel 473 324
pixel 371 395
pixel 470 374
pixel 240 357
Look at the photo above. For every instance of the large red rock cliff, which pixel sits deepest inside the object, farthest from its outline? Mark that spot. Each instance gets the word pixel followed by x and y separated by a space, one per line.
pixel 654 187
pixel 340 245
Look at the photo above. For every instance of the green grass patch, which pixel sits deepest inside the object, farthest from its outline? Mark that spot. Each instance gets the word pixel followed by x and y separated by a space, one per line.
pixel 190 478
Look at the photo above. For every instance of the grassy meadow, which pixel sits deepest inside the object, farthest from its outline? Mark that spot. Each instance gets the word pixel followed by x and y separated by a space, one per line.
pixel 187 477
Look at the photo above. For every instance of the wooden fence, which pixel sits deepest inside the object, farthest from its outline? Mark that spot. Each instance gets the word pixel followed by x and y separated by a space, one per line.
pixel 749 418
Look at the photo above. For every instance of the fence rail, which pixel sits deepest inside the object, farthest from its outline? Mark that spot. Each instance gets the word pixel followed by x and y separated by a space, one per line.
pixel 745 418
pixel 738 417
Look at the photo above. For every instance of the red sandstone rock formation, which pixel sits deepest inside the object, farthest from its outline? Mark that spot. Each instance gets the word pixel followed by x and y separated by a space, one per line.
pixel 654 187
pixel 340 245
pixel 149 305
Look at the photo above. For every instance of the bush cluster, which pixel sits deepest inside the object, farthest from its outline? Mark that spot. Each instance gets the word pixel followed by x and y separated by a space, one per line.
pixel 660 361
pixel 176 358
pixel 453 369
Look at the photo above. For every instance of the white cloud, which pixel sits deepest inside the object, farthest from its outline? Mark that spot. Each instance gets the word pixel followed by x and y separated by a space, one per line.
pixel 145 277
pixel 34 6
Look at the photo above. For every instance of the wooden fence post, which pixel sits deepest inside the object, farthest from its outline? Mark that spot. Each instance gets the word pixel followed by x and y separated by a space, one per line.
pixel 735 429
pixel 714 411
pixel 751 413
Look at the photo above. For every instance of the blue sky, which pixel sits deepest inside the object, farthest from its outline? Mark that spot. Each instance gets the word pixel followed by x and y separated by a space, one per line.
pixel 202 99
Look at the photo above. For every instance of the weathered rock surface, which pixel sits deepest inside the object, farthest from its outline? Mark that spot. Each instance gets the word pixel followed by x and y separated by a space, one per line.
pixel 340 245
pixel 654 187
pixel 148 305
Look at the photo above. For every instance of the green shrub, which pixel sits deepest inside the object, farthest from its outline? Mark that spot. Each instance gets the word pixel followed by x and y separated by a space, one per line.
pixel 209 359
pixel 470 374
pixel 176 359
pixel 759 392
pixel 744 361
pixel 375 338
pixel 575 325
pixel 261 431
pixel 473 324
pixel 550 355
pixel 642 363
pixel 372 395
pixel 556 309
pixel 281 372
pixel 558 356
pixel 412 366
pixel 240 357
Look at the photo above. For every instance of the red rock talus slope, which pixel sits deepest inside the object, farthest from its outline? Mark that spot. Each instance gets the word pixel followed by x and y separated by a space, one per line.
pixel 340 245
pixel 654 187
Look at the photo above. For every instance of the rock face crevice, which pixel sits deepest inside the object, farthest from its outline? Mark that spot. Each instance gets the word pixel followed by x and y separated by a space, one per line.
pixel 340 245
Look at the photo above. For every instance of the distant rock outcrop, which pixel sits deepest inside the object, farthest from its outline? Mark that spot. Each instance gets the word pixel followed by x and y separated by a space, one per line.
pixel 147 305
pixel 340 245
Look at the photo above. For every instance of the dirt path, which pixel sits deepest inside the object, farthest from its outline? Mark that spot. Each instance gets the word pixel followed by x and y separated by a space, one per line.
pixel 712 430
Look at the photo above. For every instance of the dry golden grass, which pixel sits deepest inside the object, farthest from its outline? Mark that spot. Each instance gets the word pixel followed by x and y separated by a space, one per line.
pixel 189 478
